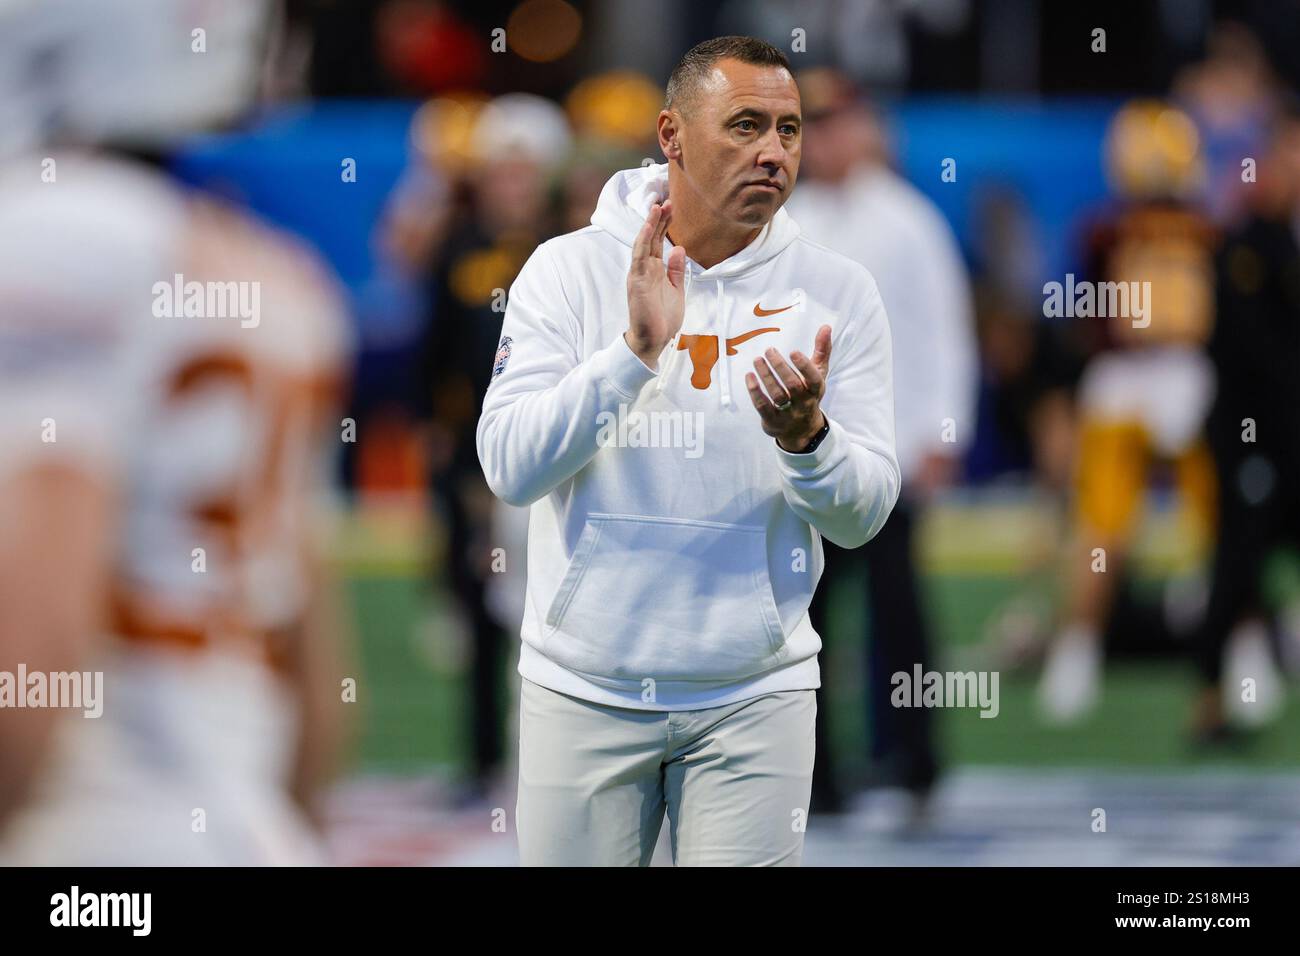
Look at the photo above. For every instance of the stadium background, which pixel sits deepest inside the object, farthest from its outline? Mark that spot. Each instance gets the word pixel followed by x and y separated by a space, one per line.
pixel 1013 90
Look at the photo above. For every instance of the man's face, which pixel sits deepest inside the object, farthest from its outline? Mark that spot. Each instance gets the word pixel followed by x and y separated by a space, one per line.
pixel 740 140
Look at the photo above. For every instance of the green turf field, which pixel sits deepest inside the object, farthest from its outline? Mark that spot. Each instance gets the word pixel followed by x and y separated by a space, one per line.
pixel 412 694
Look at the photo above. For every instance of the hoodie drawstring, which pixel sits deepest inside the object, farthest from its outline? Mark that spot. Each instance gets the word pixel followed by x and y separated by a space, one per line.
pixel 724 373
pixel 671 361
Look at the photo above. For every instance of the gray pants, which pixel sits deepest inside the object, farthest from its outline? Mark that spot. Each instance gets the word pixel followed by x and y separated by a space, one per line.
pixel 594 781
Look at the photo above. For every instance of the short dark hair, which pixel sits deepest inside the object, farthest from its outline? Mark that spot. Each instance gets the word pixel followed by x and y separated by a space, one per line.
pixel 699 59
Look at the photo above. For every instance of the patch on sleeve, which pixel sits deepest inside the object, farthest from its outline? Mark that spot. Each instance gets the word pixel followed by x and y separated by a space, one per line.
pixel 503 356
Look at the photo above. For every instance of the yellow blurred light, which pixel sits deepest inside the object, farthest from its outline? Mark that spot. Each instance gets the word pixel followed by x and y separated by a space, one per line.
pixel 618 107
pixel 442 129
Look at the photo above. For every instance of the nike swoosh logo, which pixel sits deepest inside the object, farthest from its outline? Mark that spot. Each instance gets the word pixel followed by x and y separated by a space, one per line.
pixel 760 311
pixel 741 339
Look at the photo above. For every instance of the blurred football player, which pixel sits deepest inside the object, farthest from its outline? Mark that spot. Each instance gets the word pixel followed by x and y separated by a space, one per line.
pixel 171 370
pixel 1144 395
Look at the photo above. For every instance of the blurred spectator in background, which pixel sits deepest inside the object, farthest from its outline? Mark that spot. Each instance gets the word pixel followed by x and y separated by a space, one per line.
pixel 1231 95
pixel 1028 373
pixel 1254 433
pixel 851 200
pixel 610 113
pixel 1028 366
pixel 1144 395
pixel 490 181
pixel 514 148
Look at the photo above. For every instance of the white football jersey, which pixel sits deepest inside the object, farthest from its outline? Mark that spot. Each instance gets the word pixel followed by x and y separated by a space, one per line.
pixel 192 354
pixel 195 359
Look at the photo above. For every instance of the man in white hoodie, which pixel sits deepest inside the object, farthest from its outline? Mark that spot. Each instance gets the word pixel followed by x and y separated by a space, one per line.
pixel 668 658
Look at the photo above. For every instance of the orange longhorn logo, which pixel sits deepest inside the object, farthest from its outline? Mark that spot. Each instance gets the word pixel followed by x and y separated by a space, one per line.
pixel 704 353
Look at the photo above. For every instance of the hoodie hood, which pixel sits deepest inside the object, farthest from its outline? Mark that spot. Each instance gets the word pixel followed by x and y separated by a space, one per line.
pixel 621 211
pixel 625 202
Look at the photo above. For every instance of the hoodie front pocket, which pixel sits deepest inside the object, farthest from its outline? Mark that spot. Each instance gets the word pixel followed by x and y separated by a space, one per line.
pixel 665 598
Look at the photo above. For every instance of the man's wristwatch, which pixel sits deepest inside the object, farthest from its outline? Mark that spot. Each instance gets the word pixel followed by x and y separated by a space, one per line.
pixel 816 439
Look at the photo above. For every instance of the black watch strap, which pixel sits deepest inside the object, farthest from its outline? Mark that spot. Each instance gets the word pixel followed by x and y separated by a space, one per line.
pixel 816 439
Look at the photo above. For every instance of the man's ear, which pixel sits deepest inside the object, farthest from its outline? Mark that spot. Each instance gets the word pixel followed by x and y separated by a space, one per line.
pixel 669 129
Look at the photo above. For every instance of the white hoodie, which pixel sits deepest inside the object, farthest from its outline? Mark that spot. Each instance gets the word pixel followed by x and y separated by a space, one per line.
pixel 673 547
